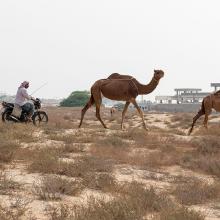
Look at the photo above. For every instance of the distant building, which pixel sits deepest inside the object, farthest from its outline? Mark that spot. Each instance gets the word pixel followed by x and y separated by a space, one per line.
pixel 185 95
pixel 215 85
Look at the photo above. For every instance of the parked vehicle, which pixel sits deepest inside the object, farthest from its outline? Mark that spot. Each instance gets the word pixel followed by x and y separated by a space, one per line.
pixel 38 118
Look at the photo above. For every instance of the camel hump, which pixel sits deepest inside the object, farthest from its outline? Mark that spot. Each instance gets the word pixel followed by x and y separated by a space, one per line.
pixel 119 76
pixel 114 76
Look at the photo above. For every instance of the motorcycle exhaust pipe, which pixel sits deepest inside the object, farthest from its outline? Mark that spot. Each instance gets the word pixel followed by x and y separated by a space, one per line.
pixel 14 118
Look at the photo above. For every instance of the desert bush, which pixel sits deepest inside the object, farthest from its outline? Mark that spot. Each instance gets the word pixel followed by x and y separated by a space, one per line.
pixel 132 202
pixel 97 209
pixel 60 212
pixel 66 138
pixel 100 181
pixel 181 120
pixel 8 149
pixel 207 145
pixel 213 130
pixel 155 159
pixel 73 148
pixel 109 149
pixel 119 208
pixel 92 163
pixel 203 156
pixel 24 133
pixel 53 187
pixel 112 141
pixel 17 210
pixel 179 213
pixel 196 192
pixel 45 161
pixel 82 137
pixel 209 165
pixel 19 132
pixel 7 184
pixel 58 121
pixel 48 161
pixel 145 198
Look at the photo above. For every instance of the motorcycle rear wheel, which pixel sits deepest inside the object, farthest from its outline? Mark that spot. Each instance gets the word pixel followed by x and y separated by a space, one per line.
pixel 6 117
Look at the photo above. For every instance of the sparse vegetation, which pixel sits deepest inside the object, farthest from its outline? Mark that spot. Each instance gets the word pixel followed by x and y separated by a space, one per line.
pixel 196 192
pixel 53 187
pixel 59 163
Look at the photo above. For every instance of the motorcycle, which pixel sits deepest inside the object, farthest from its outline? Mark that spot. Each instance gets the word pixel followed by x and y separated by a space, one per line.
pixel 38 117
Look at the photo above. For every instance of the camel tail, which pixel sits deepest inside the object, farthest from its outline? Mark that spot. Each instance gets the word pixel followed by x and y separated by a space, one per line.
pixel 198 115
pixel 86 107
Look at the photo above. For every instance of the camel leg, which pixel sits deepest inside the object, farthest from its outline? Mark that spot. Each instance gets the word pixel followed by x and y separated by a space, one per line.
pixel 98 101
pixel 98 115
pixel 86 107
pixel 123 113
pixel 140 112
pixel 199 114
pixel 205 123
pixel 111 111
pixel 207 109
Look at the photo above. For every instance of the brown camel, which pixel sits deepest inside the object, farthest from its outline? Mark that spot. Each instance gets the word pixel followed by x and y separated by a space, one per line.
pixel 120 89
pixel 210 102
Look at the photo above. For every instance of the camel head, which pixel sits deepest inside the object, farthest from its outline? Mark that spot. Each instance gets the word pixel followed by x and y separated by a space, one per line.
pixel 158 74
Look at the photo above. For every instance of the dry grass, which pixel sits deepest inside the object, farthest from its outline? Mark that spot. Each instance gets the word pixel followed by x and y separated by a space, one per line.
pixel 68 160
pixel 44 161
pixel 19 132
pixel 213 130
pixel 155 159
pixel 179 213
pixel 134 202
pixel 100 181
pixel 204 157
pixel 181 120
pixel 70 138
pixel 111 148
pixel 53 187
pixel 18 209
pixel 73 148
pixel 49 161
pixel 7 185
pixel 8 149
pixel 196 191
pixel 144 198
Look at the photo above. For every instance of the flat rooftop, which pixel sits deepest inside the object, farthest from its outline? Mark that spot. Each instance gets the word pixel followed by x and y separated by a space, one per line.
pixel 187 89
pixel 215 84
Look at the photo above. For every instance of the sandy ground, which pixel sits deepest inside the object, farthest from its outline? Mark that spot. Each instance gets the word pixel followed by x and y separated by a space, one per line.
pixel 162 178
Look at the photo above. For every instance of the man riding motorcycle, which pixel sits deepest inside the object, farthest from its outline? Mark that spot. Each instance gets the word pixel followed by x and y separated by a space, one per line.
pixel 21 97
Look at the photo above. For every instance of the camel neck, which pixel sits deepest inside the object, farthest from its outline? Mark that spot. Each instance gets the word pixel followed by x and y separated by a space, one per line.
pixel 146 89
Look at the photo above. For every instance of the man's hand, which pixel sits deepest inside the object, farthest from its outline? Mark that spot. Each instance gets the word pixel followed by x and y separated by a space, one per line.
pixel 33 99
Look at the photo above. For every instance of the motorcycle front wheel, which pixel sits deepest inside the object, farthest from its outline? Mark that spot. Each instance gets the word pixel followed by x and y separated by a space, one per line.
pixel 40 118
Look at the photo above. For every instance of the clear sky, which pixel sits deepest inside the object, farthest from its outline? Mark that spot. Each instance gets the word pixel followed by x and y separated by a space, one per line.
pixel 70 44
